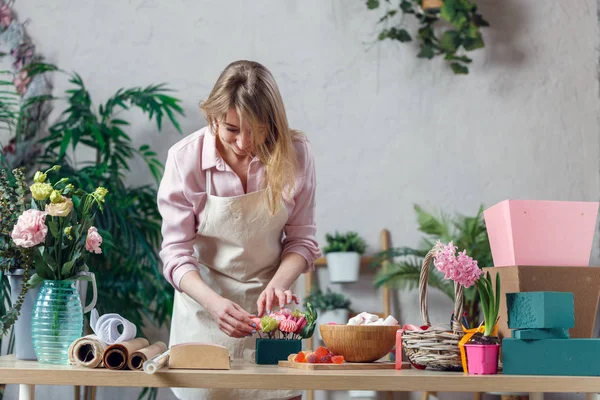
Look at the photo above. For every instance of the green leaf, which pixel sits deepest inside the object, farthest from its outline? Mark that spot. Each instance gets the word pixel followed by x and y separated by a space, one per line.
pixel 403 36
pixel 98 136
pixel 67 268
pixel 65 143
pixel 450 41
pixel 406 6
pixel 35 281
pixel 474 44
pixel 372 4
pixel 459 68
pixel 53 226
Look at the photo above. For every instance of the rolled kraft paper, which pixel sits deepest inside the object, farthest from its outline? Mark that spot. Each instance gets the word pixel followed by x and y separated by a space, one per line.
pixel 138 358
pixel 116 355
pixel 87 351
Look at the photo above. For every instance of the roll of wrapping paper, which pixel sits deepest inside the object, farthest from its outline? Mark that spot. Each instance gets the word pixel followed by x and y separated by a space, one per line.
pixel 116 355
pixel 87 351
pixel 156 362
pixel 138 358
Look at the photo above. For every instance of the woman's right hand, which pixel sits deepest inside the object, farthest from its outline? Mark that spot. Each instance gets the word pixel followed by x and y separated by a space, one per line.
pixel 232 319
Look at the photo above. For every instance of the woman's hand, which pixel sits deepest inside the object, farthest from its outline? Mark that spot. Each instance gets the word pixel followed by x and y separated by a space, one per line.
pixel 274 295
pixel 232 319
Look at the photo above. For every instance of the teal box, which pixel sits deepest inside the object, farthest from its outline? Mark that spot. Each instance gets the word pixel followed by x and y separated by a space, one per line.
pixel 538 334
pixel 568 357
pixel 271 351
pixel 540 310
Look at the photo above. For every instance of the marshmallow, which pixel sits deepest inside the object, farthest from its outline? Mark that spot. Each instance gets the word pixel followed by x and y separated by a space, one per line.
pixel 390 321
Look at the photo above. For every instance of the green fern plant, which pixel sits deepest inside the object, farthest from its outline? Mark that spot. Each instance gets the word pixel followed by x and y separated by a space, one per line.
pixel 467 233
pixel 348 242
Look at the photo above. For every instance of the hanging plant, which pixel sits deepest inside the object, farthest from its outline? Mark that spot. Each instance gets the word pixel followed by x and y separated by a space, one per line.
pixel 435 36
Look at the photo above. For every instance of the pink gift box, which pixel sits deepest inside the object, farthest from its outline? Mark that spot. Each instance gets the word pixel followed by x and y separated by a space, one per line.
pixel 541 233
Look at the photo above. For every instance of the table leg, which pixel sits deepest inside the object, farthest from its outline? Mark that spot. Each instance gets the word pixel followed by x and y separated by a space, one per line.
pixel 592 396
pixel 26 392
pixel 536 396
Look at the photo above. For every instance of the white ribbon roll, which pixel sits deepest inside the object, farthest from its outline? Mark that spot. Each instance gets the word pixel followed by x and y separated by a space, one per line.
pixel 106 328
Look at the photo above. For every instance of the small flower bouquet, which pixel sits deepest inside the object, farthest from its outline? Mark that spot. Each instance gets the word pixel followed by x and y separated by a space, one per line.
pixel 281 333
pixel 58 233
pixel 67 214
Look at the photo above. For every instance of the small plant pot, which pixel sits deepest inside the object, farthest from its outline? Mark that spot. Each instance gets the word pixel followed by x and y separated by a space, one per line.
pixel 482 359
pixel 343 267
pixel 271 351
pixel 432 5
pixel 339 316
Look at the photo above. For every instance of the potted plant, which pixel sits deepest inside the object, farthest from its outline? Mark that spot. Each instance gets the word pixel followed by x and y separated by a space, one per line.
pixel 57 232
pixel 449 28
pixel 483 348
pixel 281 333
pixel 333 307
pixel 343 253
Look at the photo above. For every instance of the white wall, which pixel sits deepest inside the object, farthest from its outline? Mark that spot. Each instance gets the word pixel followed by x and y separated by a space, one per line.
pixel 388 130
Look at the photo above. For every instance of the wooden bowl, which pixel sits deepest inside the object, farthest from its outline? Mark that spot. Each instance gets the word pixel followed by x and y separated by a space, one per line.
pixel 359 343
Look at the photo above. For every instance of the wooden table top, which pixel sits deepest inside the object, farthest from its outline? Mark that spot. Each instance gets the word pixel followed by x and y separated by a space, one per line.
pixel 246 375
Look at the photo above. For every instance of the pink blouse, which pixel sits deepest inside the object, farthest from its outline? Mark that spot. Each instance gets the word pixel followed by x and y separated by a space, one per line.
pixel 182 196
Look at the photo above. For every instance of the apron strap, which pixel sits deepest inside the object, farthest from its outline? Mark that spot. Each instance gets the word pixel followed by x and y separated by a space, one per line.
pixel 209 181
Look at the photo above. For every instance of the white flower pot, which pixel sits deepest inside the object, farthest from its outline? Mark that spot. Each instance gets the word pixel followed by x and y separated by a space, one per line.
pixel 343 267
pixel 339 316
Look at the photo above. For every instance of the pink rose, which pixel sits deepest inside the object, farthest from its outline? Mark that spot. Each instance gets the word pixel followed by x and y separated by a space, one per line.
pixel 93 241
pixel 30 229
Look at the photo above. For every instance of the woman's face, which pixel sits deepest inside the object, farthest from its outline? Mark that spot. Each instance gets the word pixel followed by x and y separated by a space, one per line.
pixel 235 137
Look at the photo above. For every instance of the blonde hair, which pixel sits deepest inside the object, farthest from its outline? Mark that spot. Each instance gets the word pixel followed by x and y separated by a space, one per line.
pixel 250 88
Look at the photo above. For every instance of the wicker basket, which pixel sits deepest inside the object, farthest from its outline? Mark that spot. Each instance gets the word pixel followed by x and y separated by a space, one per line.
pixel 435 348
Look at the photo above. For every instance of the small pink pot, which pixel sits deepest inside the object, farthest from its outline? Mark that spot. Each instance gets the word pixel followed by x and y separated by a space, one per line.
pixel 482 359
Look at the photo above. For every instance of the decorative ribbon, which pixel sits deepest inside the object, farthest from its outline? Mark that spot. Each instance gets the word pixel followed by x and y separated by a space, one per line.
pixel 468 334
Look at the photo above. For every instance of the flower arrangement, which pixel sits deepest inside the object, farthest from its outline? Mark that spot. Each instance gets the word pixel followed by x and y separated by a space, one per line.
pixel 58 228
pixel 287 324
pixel 463 270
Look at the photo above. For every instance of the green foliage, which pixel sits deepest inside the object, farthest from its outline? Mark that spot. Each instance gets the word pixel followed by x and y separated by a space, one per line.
pixel 467 233
pixel 13 201
pixel 311 315
pixel 327 301
pixel 464 34
pixel 349 242
pixel 490 302
pixel 128 270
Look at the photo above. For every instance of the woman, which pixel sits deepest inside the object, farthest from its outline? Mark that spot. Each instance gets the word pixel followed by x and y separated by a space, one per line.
pixel 238 203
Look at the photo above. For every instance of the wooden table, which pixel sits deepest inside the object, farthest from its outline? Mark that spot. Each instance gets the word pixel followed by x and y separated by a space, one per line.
pixel 250 376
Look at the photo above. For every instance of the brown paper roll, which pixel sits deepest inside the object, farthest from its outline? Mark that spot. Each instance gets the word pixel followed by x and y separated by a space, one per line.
pixel 137 359
pixel 87 351
pixel 116 355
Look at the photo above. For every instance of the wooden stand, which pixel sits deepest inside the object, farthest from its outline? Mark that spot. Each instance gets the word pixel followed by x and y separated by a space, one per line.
pixel 365 261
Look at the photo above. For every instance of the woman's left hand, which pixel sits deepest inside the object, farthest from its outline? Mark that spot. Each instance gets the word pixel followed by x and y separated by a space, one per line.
pixel 274 295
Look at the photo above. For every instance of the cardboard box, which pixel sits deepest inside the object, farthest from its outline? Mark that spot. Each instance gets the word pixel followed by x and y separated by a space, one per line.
pixel 583 282
pixel 545 233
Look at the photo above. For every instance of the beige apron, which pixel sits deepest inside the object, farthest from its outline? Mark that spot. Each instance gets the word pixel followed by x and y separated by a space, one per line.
pixel 239 249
